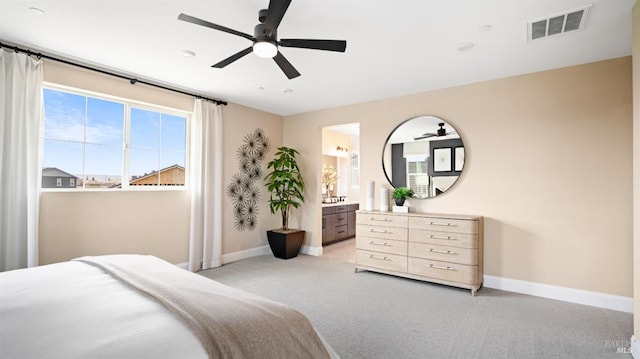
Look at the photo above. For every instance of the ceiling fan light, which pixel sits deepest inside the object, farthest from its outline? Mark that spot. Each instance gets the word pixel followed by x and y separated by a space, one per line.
pixel 265 49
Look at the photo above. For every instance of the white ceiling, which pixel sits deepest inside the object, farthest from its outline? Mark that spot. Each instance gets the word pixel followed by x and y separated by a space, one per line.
pixel 394 47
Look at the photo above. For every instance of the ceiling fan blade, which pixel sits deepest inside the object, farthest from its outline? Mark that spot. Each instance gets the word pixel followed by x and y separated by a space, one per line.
pixel 286 66
pixel 195 20
pixel 426 135
pixel 233 58
pixel 275 13
pixel 329 45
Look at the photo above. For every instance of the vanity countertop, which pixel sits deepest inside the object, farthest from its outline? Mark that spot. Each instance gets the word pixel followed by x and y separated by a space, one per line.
pixel 343 203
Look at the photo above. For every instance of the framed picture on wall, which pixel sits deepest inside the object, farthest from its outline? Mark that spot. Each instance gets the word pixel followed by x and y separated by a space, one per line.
pixel 447 157
pixel 442 159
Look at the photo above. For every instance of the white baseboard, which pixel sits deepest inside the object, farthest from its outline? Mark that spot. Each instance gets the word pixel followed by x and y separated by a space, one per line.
pixel 247 253
pixel 258 251
pixel 312 251
pixel 595 299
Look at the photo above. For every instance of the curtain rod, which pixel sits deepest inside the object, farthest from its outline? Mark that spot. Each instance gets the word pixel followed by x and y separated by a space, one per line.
pixel 132 80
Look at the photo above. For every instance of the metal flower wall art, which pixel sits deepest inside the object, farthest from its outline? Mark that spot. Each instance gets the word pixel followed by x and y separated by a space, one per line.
pixel 243 190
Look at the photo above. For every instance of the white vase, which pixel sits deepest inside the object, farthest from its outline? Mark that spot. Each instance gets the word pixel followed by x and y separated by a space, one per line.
pixel 384 200
pixel 370 200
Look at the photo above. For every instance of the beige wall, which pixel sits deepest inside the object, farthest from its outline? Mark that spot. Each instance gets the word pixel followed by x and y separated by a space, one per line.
pixel 332 139
pixel 238 122
pixel 74 224
pixel 549 159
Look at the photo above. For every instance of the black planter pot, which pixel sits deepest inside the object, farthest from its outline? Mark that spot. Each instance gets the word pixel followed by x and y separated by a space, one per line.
pixel 399 201
pixel 285 245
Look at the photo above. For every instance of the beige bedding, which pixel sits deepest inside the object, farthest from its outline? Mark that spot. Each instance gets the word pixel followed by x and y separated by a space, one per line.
pixel 228 322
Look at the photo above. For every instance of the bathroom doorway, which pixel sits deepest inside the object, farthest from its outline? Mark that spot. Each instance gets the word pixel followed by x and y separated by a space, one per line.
pixel 340 181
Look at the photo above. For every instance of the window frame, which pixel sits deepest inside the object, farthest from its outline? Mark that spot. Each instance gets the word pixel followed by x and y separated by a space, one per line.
pixel 128 105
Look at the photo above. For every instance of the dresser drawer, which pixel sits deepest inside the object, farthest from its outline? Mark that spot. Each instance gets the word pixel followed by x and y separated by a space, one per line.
pixel 398 234
pixel 381 260
pixel 444 253
pixel 382 245
pixel 459 273
pixel 444 224
pixel 463 240
pixel 382 220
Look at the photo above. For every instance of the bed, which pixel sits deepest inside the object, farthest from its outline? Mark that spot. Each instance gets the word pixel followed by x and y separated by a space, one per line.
pixel 137 306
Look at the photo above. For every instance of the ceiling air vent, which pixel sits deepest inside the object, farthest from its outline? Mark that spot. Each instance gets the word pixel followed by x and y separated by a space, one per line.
pixel 558 24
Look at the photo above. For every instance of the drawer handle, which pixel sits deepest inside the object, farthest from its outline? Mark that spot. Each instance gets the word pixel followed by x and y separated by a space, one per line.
pixel 379 257
pixel 378 230
pixel 380 220
pixel 440 251
pixel 443 224
pixel 380 244
pixel 441 267
pixel 441 237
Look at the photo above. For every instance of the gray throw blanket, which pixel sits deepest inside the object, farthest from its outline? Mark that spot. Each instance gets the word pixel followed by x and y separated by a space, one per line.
pixel 229 323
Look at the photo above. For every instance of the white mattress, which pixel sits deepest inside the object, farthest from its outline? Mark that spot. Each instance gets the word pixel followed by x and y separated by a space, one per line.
pixel 95 316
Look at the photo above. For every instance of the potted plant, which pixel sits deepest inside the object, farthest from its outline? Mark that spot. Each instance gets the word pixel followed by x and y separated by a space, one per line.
pixel 400 194
pixel 286 188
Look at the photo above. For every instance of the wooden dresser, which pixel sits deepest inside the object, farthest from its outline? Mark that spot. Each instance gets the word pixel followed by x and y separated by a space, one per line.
pixel 439 248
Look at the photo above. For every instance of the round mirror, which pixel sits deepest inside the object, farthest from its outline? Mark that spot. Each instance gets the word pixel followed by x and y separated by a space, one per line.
pixel 425 154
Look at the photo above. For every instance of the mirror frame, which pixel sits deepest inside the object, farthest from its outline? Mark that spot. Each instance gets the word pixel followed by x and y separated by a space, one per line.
pixel 455 144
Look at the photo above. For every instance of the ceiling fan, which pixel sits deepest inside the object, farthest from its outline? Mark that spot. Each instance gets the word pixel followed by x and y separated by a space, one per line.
pixel 265 38
pixel 439 133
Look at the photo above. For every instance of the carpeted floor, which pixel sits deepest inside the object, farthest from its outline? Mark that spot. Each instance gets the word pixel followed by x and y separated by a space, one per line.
pixel 370 315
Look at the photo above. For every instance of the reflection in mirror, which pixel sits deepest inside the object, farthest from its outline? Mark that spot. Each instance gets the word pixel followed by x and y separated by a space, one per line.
pixel 425 154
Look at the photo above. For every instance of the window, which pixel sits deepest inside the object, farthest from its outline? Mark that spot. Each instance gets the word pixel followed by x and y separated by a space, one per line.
pixel 100 142
pixel 59 182
pixel 157 142
pixel 355 169
pixel 417 176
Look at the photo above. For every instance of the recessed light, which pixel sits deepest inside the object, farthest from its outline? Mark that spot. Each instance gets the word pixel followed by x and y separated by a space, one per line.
pixel 35 10
pixel 260 88
pixel 188 53
pixel 465 46
pixel 287 91
pixel 485 28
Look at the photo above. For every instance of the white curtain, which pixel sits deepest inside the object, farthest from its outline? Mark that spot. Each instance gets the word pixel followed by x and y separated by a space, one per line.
pixel 205 243
pixel 20 130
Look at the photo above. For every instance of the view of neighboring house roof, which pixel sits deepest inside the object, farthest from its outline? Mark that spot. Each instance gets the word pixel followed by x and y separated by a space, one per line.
pixel 161 177
pixel 56 172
